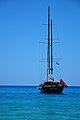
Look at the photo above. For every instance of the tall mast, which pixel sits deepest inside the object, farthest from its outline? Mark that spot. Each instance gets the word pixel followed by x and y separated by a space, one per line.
pixel 51 50
pixel 48 52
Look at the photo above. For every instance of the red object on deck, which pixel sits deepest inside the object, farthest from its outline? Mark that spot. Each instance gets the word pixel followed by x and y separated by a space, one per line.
pixel 63 83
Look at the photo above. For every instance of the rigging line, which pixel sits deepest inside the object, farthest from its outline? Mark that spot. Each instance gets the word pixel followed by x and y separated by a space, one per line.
pixel 43 49
pixel 58 52
pixel 57 70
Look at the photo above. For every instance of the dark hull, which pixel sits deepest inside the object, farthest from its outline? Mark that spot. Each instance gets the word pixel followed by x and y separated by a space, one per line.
pixel 53 90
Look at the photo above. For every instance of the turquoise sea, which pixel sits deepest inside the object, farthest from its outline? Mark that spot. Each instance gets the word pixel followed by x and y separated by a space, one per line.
pixel 27 103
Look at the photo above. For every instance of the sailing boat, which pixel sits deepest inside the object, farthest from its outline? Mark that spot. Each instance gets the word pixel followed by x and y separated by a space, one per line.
pixel 51 85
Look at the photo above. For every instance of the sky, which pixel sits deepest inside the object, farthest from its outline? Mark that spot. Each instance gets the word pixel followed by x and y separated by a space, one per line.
pixel 23 26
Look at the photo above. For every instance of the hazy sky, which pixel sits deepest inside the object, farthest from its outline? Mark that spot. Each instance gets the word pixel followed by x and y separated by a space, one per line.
pixel 22 29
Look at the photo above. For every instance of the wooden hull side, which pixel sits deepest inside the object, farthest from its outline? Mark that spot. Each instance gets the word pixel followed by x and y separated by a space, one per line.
pixel 53 90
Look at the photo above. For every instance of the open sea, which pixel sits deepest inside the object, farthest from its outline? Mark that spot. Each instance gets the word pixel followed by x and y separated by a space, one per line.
pixel 27 103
